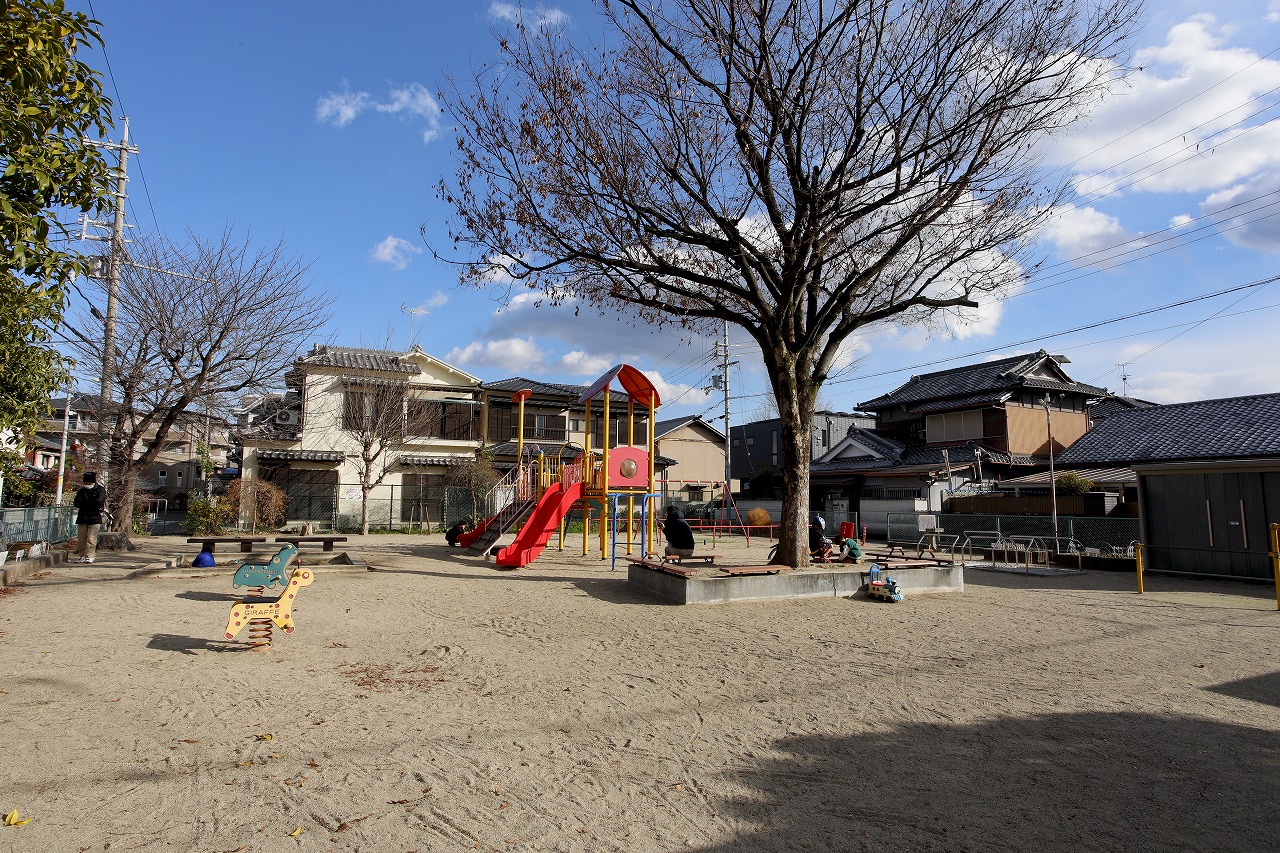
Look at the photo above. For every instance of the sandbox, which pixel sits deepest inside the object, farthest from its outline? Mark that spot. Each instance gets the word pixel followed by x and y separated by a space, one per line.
pixel 813 582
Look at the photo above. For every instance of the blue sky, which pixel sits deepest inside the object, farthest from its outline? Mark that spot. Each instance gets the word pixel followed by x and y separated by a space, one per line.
pixel 318 123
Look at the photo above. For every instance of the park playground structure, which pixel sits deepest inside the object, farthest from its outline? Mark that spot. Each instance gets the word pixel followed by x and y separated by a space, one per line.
pixel 543 490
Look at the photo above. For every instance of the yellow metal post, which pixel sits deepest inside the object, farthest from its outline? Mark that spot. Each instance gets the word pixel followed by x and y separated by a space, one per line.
pixel 649 533
pixel 1138 551
pixel 604 476
pixel 1275 559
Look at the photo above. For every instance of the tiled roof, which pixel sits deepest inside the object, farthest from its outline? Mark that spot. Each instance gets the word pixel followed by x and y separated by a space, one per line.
pixel 1109 405
pixel 567 452
pixel 277 455
pixel 1096 475
pixel 1230 428
pixel 960 402
pixel 542 389
pixel 661 428
pixel 550 389
pixel 353 358
pixel 898 458
pixel 1003 374
pixel 421 459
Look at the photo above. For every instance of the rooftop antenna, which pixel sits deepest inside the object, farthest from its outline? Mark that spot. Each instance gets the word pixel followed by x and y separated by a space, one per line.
pixel 1124 378
pixel 412 312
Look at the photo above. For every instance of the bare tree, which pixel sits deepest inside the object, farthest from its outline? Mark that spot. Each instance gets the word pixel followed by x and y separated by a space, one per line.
pixel 199 320
pixel 800 168
pixel 373 413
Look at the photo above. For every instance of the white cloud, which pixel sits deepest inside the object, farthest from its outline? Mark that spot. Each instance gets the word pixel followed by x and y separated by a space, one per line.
pixel 1273 12
pixel 1182 123
pixel 395 251
pixel 410 101
pixel 1088 237
pixel 413 100
pixel 579 363
pixel 341 108
pixel 436 300
pixel 1240 212
pixel 1180 221
pixel 539 16
pixel 519 356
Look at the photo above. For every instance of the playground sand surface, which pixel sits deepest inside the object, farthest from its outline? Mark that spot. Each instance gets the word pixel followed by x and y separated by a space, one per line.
pixel 440 704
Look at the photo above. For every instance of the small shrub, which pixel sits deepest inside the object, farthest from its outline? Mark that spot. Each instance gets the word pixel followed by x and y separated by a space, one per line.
pixel 759 517
pixel 267 502
pixel 1071 483
pixel 207 516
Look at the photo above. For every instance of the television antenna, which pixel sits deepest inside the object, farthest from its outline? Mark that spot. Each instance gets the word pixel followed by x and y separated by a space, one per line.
pixel 412 312
pixel 1124 378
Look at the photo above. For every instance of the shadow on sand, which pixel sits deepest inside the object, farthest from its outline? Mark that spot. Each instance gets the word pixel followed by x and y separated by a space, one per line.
pixel 1057 782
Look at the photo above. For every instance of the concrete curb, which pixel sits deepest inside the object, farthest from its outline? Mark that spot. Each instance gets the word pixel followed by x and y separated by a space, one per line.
pixel 810 583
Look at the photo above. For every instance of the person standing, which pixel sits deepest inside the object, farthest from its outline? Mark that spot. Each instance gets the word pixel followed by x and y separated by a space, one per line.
pixel 679 534
pixel 90 501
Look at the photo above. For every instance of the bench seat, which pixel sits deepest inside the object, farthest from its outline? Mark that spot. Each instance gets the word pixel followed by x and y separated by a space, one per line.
pixel 246 543
pixel 327 541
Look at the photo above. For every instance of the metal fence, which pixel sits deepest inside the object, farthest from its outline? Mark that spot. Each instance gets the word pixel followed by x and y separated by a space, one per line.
pixel 38 524
pixel 395 507
pixel 1105 534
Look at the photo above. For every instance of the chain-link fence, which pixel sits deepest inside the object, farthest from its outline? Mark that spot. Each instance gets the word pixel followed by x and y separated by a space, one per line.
pixel 38 524
pixel 1110 536
pixel 426 508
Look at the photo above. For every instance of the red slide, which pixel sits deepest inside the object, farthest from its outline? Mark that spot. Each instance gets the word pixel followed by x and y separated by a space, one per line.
pixel 533 537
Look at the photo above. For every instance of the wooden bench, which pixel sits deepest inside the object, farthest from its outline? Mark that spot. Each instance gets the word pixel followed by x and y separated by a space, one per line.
pixel 708 559
pixel 298 540
pixel 665 568
pixel 736 571
pixel 246 543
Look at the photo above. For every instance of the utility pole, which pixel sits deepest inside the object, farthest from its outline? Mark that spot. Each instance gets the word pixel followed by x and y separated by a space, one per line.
pixel 720 382
pixel 115 261
pixel 1053 480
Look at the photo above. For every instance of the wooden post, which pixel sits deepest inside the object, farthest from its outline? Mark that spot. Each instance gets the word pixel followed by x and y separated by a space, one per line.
pixel 1138 552
pixel 1274 554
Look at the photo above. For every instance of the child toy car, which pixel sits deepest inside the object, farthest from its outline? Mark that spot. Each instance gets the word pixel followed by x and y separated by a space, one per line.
pixel 882 587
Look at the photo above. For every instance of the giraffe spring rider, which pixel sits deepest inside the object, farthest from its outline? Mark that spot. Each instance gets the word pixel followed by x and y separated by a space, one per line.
pixel 278 610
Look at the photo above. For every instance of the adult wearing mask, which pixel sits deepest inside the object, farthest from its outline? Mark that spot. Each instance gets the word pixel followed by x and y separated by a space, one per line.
pixel 679 534
pixel 90 501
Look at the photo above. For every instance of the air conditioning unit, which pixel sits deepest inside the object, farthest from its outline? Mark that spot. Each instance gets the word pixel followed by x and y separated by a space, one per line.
pixel 288 416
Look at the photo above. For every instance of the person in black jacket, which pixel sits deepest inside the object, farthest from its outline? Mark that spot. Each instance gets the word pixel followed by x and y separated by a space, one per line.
pixel 453 533
pixel 679 534
pixel 90 501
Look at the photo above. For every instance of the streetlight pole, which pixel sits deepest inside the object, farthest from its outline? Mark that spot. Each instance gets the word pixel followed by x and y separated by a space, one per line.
pixel 1053 480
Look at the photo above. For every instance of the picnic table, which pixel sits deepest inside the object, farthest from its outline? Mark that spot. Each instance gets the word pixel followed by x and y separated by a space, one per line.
pixel 326 540
pixel 246 543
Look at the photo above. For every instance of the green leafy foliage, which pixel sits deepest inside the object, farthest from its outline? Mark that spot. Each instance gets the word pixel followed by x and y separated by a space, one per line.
pixel 1071 483
pixel 49 102
pixel 210 516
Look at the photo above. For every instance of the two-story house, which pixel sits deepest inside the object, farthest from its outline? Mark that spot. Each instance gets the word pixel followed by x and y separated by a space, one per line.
pixel 756 447
pixel 969 425
pixel 173 475
pixel 357 415
pixel 698 451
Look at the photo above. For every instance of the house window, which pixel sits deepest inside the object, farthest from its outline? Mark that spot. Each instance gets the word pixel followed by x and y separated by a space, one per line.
pixel 575 424
pixel 774 436
pixel 178 475
pixel 163 475
pixel 737 442
pixel 502 423
pixel 696 493
pixel 953 426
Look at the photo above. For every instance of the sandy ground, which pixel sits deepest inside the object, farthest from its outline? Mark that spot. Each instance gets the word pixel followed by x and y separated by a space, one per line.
pixel 439 704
